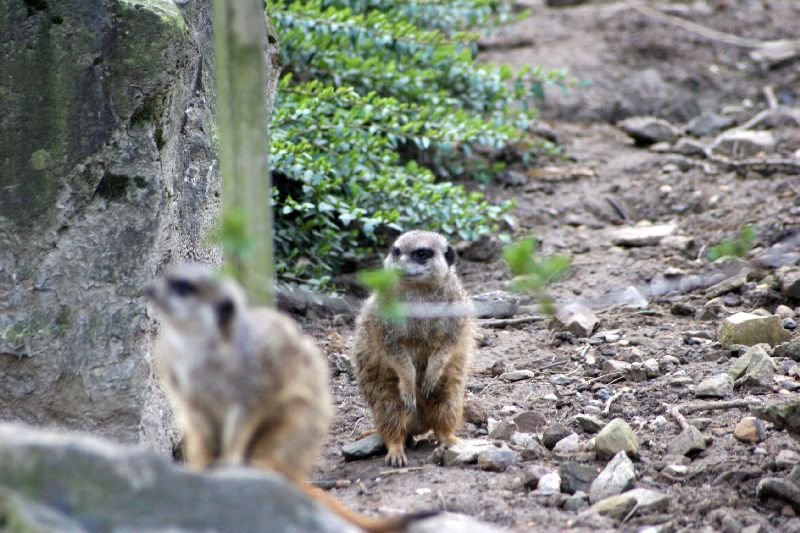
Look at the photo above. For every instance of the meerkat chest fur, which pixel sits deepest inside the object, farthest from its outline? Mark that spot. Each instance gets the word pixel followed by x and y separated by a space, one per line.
pixel 204 365
pixel 425 261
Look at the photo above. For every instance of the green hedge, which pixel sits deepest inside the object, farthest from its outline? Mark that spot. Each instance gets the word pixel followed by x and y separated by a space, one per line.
pixel 381 101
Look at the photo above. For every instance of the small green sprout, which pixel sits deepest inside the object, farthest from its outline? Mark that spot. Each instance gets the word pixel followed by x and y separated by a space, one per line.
pixel 532 275
pixel 383 283
pixel 734 248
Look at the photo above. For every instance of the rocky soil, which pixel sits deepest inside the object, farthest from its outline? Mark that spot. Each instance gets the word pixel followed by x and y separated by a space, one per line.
pixel 671 374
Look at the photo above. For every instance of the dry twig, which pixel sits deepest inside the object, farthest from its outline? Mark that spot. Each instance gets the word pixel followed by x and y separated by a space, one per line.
pixel 503 322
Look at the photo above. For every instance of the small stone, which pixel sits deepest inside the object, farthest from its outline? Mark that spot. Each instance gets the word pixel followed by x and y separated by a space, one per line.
pixel 577 319
pixel 658 422
pixel 759 370
pixel 651 368
pixel 521 439
pixel 689 442
pixel 681 243
pixel 554 433
pixel 531 474
pixel 589 424
pixel 750 329
pixel 551 397
pixel 530 421
pixel 341 364
pixel 668 361
pixel 561 380
pixel 617 477
pixel 780 489
pixel 549 484
pixel 743 144
pixel 576 502
pixel 789 349
pixel 708 124
pixel 784 311
pixel 700 423
pixel 784 416
pixel 534 450
pixel 612 366
pixel 475 413
pixel 712 310
pixel 615 437
pixel 648 130
pixel 517 375
pixel 567 446
pixel 602 394
pixel 592 410
pixel 789 281
pixel 682 309
pixel 689 147
pixel 718 386
pixel 750 429
pixel 645 500
pixel 495 304
pixel 499 368
pixel 787 459
pixel 676 470
pixel 369 446
pixel 728 285
pixel 618 506
pixel 503 430
pixel 496 459
pixel 680 381
pixel 789 323
pixel 636 236
pixel 465 452
pixel 576 477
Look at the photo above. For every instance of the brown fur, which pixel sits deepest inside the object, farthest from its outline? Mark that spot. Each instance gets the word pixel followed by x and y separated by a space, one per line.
pixel 247 386
pixel 413 373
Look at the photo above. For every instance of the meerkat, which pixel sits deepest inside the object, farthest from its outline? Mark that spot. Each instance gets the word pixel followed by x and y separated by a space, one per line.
pixel 247 386
pixel 413 373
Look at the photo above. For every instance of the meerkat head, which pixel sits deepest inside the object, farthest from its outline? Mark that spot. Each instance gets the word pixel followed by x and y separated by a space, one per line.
pixel 192 299
pixel 422 257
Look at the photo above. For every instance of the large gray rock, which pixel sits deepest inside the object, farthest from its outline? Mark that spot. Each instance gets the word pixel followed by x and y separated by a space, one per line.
pixel 751 329
pixel 107 172
pixel 58 481
pixel 618 476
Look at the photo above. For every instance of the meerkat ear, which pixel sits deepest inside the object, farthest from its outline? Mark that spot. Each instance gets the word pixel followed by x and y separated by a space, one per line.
pixel 450 255
pixel 225 310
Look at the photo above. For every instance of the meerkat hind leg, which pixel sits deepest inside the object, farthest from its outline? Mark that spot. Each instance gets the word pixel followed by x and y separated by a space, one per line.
pixel 199 446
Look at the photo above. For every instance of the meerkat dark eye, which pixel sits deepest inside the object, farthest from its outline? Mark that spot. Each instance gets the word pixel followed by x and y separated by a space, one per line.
pixel 450 255
pixel 181 287
pixel 396 252
pixel 420 255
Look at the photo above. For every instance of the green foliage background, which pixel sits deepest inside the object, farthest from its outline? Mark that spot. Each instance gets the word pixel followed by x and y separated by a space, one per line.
pixel 381 102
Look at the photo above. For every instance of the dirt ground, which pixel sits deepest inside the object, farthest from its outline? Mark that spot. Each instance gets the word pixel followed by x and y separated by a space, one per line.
pixel 637 65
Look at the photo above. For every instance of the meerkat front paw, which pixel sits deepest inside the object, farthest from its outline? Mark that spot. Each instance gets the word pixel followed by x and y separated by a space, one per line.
pixel 409 401
pixel 396 455
pixel 429 385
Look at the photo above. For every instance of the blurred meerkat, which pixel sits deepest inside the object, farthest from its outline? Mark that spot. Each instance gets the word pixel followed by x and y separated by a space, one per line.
pixel 413 373
pixel 247 386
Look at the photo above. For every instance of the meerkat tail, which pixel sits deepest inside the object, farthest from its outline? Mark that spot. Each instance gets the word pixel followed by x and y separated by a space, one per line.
pixel 369 524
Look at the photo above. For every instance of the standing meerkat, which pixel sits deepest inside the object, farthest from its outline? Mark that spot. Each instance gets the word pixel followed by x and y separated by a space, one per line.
pixel 247 386
pixel 413 373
